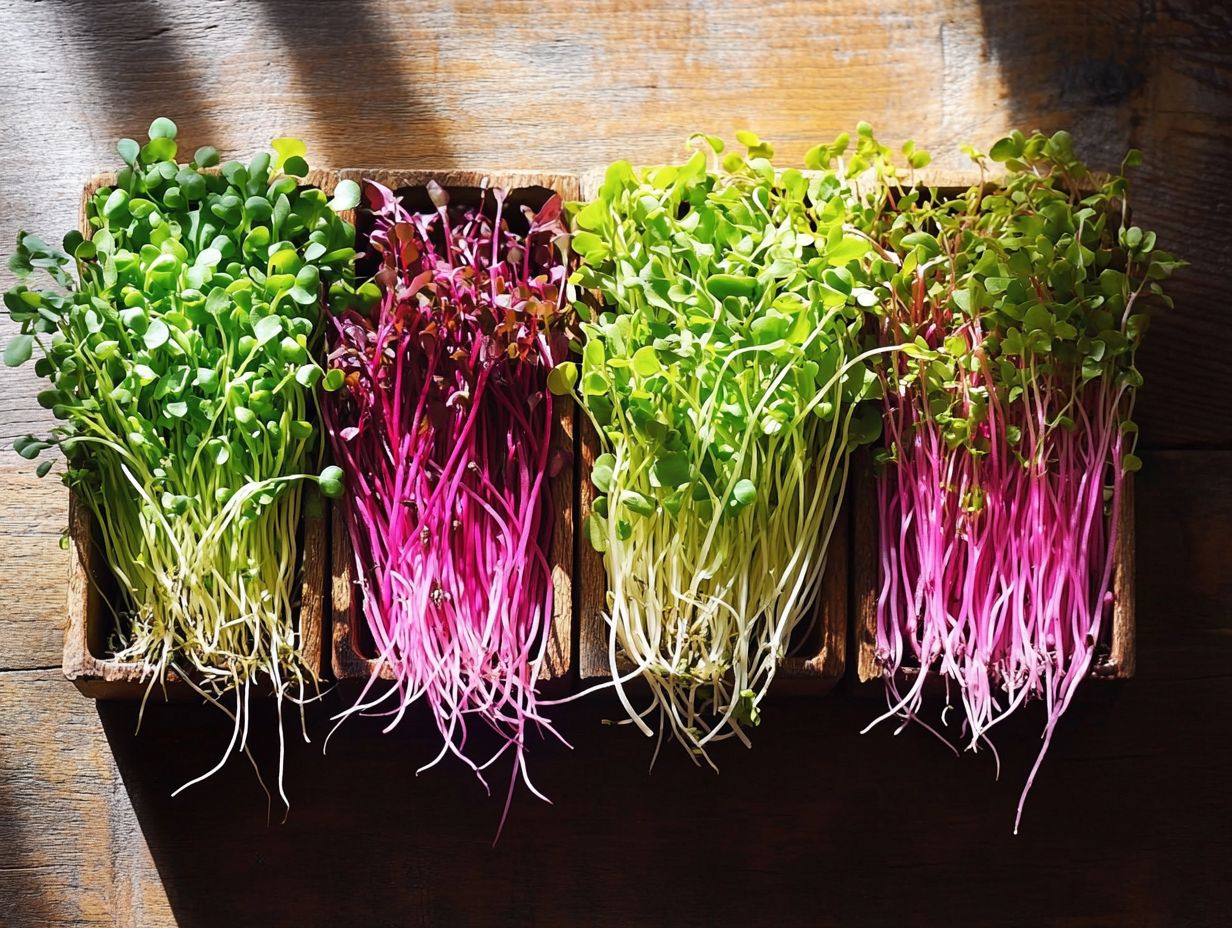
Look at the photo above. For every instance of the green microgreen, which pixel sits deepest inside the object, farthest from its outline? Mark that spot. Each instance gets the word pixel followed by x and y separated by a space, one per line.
pixel 723 369
pixel 178 343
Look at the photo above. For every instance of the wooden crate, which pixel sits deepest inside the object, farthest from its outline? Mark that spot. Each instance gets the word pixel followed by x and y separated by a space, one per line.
pixel 91 587
pixel 352 653
pixel 820 660
pixel 865 577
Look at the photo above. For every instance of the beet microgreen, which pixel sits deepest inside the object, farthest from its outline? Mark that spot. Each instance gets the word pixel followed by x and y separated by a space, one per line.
pixel 443 424
pixel 724 372
pixel 178 345
pixel 1008 428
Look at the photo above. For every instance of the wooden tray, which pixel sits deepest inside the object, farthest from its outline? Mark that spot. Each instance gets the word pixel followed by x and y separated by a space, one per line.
pixel 91 584
pixel 351 655
pixel 822 658
pixel 1120 636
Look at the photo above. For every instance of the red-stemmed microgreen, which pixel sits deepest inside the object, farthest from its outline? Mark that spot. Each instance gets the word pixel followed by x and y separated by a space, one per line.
pixel 442 423
pixel 1009 428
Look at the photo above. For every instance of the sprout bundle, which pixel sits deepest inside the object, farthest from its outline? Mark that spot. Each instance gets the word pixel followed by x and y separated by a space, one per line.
pixel 443 426
pixel 178 344
pixel 1008 431
pixel 723 372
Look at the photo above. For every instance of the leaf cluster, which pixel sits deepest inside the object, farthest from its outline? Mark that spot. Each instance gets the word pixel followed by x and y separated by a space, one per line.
pixel 728 302
pixel 183 328
pixel 1035 281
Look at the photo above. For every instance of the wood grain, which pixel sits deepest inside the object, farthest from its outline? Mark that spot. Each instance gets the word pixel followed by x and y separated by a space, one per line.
pixel 71 849
pixel 522 188
pixel 387 84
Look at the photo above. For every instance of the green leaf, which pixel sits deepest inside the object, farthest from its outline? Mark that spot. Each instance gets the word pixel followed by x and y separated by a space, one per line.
pixel 847 249
pixel 295 166
pixel 722 286
pixel 156 335
pixel 636 502
pixel 221 450
pixel 596 532
pixel 840 279
pixel 671 469
pixel 562 378
pixel 333 380
pixel 1004 149
pixel 865 425
pixel 645 362
pixel 1037 318
pixel 284 149
pixel 922 240
pixel 307 287
pixel 129 150
pixel 346 196
pixel 206 156
pixel 1131 463
pixel 30 447
pixel 308 375
pixel 160 149
pixel 267 329
pixel 744 493
pixel 331 481
pixel 601 473
pixel 162 128
pixel 587 244
pixel 117 200
pixel 18 350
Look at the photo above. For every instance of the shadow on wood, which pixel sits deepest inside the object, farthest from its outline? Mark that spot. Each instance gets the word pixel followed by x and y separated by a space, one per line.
pixel 352 69
pixel 1128 74
pixel 816 825
pixel 140 68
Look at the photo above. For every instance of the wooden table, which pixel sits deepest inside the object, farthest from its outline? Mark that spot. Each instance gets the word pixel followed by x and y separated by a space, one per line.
pixel 1128 823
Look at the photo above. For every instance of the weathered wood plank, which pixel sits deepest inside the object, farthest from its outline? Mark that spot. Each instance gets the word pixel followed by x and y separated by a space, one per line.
pixel 71 849
pixel 33 567
pixel 563 89
pixel 1157 77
